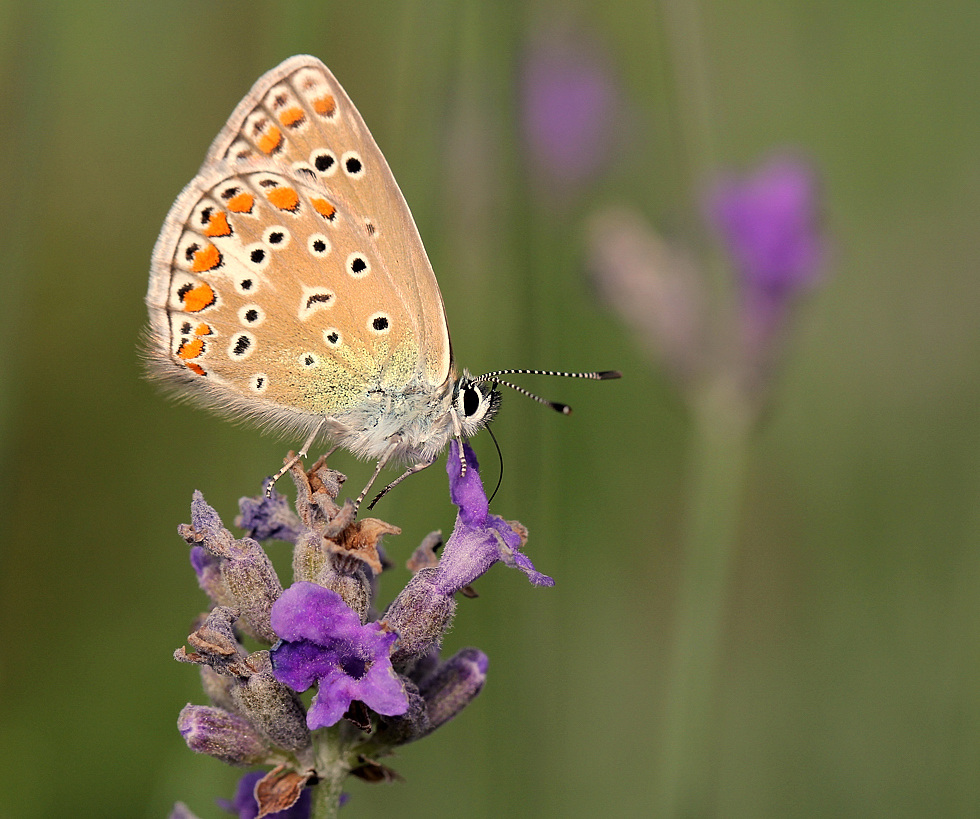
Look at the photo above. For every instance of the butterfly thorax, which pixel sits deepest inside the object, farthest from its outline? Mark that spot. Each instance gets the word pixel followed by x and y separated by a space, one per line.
pixel 412 424
pixel 415 423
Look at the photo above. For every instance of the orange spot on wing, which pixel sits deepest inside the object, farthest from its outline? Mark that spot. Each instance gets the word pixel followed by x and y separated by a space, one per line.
pixel 325 106
pixel 195 368
pixel 324 208
pixel 207 258
pixel 284 198
pixel 190 349
pixel 203 330
pixel 198 297
pixel 292 117
pixel 270 141
pixel 218 225
pixel 241 203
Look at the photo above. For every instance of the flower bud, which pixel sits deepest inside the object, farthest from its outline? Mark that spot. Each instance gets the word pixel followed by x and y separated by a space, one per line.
pixel 346 575
pixel 331 565
pixel 225 736
pixel 411 725
pixel 272 708
pixel 454 685
pixel 248 580
pixel 250 577
pixel 309 556
pixel 268 518
pixel 420 615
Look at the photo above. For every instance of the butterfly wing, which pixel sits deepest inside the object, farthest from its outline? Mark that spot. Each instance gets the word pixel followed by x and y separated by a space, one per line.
pixel 298 114
pixel 290 281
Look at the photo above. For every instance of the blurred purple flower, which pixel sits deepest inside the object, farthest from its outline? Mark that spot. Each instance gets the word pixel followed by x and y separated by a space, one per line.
pixel 245 806
pixel 569 104
pixel 768 222
pixel 323 641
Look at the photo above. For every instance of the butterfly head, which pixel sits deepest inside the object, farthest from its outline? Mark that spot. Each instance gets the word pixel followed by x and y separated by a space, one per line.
pixel 475 404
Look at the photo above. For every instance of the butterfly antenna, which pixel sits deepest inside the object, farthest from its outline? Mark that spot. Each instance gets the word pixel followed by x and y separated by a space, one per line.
pixel 564 409
pixel 500 457
pixel 557 406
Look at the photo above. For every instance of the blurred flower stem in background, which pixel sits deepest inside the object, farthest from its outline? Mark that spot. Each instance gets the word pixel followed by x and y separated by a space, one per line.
pixel 719 335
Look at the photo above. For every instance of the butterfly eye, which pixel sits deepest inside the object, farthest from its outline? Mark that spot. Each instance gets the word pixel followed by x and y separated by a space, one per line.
pixel 472 398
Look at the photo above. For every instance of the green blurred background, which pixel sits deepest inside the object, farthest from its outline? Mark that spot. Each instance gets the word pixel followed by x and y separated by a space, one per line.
pixel 847 681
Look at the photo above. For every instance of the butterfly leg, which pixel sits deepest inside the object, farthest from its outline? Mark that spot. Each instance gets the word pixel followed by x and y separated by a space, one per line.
pixel 374 477
pixel 302 454
pixel 410 471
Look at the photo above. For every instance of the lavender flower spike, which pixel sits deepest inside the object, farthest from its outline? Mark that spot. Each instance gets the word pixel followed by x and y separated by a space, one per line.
pixel 383 675
pixel 323 641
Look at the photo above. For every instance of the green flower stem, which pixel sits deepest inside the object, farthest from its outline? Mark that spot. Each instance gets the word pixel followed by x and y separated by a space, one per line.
pixel 722 424
pixel 332 767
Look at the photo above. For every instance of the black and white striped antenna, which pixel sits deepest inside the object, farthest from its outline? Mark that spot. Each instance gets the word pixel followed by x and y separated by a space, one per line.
pixel 557 406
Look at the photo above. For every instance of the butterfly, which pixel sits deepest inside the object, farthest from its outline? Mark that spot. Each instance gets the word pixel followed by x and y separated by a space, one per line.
pixel 289 286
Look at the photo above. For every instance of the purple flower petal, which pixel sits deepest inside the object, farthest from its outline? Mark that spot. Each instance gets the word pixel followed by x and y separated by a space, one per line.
pixel 424 610
pixel 479 539
pixel 323 641
pixel 466 490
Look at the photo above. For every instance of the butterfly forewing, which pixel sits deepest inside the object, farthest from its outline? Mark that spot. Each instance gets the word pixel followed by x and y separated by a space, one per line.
pixel 298 115
pixel 289 280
